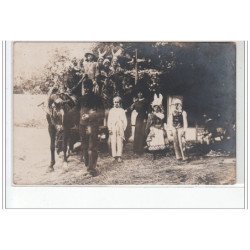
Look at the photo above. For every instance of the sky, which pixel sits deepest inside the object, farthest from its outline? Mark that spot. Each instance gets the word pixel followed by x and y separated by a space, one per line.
pixel 31 57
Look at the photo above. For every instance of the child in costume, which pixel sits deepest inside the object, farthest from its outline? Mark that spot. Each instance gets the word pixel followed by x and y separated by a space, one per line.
pixel 156 134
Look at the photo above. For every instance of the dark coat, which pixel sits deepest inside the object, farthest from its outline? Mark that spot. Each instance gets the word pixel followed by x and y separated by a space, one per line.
pixel 91 105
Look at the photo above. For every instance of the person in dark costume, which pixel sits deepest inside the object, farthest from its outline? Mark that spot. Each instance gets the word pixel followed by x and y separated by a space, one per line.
pixel 117 77
pixel 91 116
pixel 128 90
pixel 107 90
pixel 141 107
pixel 74 74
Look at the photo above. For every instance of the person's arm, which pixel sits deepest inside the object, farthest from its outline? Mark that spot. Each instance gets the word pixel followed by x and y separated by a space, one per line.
pixel 95 115
pixel 148 124
pixel 94 72
pixel 77 89
pixel 124 120
pixel 110 121
pixel 84 67
pixel 98 71
pixel 185 122
pixel 170 121
pixel 99 113
pixel 131 107
pixel 160 115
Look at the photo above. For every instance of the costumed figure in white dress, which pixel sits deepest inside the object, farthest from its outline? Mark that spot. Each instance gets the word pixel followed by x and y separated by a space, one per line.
pixel 156 134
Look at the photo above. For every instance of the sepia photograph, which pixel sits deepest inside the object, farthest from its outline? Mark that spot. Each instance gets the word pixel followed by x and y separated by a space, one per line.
pixel 124 113
pixel 124 125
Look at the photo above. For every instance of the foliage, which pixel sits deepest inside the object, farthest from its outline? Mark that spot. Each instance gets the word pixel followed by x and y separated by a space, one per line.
pixel 204 73
pixel 56 72
pixel 153 59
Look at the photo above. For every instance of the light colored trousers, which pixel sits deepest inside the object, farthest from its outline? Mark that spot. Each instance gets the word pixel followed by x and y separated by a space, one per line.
pixel 179 144
pixel 116 144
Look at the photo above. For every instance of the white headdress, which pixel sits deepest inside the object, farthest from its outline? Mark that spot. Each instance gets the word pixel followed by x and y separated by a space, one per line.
pixel 101 55
pixel 176 101
pixel 157 100
pixel 116 54
pixel 106 60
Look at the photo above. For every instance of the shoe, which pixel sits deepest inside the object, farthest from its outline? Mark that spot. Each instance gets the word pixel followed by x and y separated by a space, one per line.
pixel 131 139
pixel 50 169
pixel 83 160
pixel 119 159
pixel 92 172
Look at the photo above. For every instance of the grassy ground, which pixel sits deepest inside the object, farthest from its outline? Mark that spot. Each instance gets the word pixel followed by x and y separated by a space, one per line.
pixel 32 157
pixel 26 112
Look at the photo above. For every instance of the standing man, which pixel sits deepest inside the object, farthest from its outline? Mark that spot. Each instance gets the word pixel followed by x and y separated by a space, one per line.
pixel 90 65
pixel 117 76
pixel 91 68
pixel 89 71
pixel 91 115
pixel 178 124
pixel 117 123
pixel 108 88
pixel 141 107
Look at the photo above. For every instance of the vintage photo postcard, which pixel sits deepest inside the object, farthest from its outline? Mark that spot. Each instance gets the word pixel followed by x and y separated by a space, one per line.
pixel 124 113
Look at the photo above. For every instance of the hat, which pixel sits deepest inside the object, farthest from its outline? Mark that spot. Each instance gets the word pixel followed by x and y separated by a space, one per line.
pixel 89 53
pixel 176 101
pixel 117 98
pixel 106 60
pixel 100 58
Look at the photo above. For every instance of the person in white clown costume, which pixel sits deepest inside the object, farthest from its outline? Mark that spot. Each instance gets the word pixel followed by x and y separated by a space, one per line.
pixel 117 123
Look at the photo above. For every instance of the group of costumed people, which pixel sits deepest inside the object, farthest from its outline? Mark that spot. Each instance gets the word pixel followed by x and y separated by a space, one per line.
pixel 102 100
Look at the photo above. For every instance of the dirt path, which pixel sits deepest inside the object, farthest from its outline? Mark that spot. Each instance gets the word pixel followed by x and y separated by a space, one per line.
pixel 31 162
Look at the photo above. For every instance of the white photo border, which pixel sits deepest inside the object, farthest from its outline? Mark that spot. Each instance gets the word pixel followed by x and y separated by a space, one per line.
pixel 132 196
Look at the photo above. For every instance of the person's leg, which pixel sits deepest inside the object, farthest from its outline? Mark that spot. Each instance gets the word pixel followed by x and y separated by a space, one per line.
pixel 105 121
pixel 142 137
pixel 84 144
pixel 176 144
pixel 119 140
pixel 66 132
pixel 136 138
pixel 52 133
pixel 92 149
pixel 133 121
pixel 181 145
pixel 113 144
